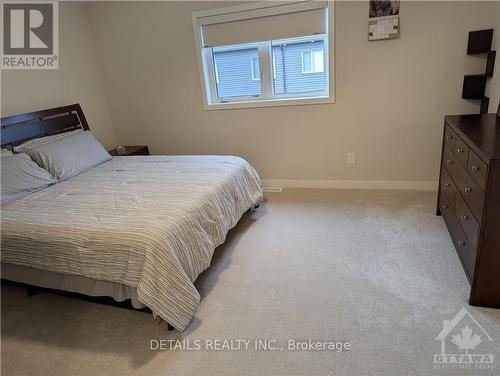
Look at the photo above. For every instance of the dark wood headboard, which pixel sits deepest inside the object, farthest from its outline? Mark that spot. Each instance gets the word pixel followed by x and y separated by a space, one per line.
pixel 17 129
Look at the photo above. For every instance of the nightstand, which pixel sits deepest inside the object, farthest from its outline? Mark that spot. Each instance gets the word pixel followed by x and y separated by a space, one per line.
pixel 132 150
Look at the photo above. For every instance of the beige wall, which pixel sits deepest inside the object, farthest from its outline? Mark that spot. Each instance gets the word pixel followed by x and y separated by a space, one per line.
pixel 77 80
pixel 391 95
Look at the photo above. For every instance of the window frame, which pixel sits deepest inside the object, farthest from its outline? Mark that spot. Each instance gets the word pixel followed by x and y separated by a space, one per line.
pixel 206 67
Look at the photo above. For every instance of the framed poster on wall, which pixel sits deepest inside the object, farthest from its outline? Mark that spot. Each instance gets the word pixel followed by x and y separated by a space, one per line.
pixel 383 20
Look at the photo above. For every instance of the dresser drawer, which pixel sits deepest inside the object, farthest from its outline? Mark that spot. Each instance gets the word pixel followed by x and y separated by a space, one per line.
pixel 461 151
pixel 467 220
pixel 447 212
pixel 448 187
pixel 450 137
pixel 465 250
pixel 451 164
pixel 472 194
pixel 477 169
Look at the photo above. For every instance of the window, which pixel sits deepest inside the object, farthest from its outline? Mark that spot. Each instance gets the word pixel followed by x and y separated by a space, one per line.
pixel 236 71
pixel 299 66
pixel 261 54
pixel 274 67
pixel 313 61
pixel 255 69
pixel 216 71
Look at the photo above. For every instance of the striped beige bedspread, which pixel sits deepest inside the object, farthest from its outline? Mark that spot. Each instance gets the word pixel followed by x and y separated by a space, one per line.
pixel 147 222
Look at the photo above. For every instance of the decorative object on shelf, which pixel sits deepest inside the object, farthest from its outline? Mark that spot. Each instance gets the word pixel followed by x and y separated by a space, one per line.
pixel 383 20
pixel 120 150
pixel 129 150
pixel 475 84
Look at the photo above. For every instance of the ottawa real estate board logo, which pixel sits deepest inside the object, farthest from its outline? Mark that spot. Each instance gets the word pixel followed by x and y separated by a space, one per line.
pixel 465 344
pixel 30 35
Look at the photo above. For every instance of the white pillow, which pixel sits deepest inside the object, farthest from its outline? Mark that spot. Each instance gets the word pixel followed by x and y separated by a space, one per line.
pixel 21 176
pixel 6 152
pixel 70 156
pixel 43 141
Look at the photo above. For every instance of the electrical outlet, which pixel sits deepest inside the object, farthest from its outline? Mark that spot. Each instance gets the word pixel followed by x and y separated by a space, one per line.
pixel 351 158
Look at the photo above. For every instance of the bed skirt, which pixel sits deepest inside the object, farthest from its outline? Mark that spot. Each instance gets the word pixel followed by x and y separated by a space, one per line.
pixel 71 283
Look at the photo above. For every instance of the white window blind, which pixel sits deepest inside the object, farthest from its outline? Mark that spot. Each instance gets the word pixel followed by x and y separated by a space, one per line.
pixel 276 22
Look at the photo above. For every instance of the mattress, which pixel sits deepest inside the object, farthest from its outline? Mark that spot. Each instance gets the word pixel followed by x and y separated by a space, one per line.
pixel 148 222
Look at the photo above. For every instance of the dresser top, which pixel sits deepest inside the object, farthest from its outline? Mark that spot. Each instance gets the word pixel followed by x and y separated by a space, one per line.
pixel 482 131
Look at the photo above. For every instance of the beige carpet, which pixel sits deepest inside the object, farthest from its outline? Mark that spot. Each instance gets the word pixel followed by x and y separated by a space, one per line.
pixel 374 268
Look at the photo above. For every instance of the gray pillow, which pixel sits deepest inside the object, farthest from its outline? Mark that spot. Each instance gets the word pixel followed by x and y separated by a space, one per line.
pixel 43 140
pixel 21 176
pixel 70 156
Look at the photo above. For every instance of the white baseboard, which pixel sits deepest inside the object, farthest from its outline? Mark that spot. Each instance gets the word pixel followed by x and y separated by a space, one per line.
pixel 353 184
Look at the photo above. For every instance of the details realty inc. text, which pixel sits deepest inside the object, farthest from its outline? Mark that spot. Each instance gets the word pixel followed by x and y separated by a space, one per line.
pixel 242 344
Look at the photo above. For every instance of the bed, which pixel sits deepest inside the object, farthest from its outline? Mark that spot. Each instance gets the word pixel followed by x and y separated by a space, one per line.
pixel 139 227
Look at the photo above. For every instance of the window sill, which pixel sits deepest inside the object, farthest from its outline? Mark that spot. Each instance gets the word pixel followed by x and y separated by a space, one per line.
pixel 270 103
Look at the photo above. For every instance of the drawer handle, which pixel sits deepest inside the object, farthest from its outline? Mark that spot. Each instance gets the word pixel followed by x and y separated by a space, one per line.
pixel 445 206
pixel 459 150
pixel 468 189
pixel 464 217
pixel 449 161
pixel 461 243
pixel 447 185
pixel 475 168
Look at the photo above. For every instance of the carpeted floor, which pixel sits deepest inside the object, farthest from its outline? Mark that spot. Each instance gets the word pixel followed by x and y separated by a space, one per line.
pixel 376 269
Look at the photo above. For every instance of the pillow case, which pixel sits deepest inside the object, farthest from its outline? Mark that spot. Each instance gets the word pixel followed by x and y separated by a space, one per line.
pixel 43 141
pixel 6 152
pixel 70 156
pixel 21 176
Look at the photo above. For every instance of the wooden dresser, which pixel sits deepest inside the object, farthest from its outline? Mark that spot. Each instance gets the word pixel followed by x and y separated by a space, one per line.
pixel 469 200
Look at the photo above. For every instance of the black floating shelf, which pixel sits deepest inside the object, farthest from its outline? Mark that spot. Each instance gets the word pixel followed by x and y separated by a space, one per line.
pixel 485 102
pixel 490 63
pixel 479 41
pixel 474 86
